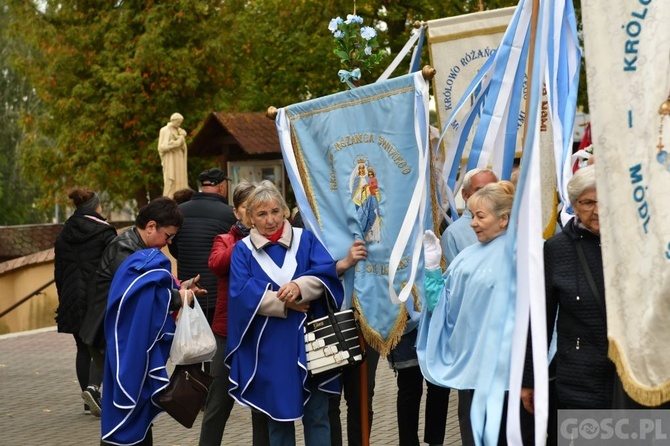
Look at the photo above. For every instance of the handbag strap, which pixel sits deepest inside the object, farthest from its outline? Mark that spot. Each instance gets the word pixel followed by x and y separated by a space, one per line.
pixel 341 341
pixel 589 277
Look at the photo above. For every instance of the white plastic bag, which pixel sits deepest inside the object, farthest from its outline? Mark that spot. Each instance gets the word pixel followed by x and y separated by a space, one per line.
pixel 193 338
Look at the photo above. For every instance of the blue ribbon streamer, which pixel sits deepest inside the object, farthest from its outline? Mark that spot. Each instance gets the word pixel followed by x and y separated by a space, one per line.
pixel 345 75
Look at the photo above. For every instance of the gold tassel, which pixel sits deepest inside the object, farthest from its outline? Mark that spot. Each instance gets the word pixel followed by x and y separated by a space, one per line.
pixel 372 336
pixel 550 230
pixel 647 396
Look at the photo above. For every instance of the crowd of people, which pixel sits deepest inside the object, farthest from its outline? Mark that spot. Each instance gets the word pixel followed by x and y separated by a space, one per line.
pixel 259 277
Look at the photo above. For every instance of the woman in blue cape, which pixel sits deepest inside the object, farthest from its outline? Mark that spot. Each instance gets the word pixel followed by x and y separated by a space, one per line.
pixel 465 332
pixel 282 276
pixel 139 329
pixel 139 292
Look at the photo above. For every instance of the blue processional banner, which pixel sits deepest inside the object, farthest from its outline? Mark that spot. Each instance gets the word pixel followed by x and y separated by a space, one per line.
pixel 359 164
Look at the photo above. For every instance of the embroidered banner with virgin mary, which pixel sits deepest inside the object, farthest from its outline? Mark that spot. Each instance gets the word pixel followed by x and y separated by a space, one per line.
pixel 359 164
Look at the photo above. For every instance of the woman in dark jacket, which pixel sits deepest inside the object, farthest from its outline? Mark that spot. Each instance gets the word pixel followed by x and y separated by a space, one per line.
pixel 78 249
pixel 155 226
pixel 584 374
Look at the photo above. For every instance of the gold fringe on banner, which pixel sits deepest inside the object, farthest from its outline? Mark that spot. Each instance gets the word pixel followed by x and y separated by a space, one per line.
pixel 435 206
pixel 647 396
pixel 372 336
pixel 550 230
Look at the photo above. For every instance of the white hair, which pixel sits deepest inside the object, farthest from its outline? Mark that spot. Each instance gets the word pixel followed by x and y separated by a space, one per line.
pixel 471 173
pixel 582 180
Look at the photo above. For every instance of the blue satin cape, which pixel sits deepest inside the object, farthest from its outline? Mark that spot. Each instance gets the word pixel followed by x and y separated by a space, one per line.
pixel 139 331
pixel 266 355
pixel 465 343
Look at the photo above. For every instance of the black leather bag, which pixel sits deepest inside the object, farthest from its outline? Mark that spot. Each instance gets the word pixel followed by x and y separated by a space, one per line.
pixel 184 396
pixel 333 342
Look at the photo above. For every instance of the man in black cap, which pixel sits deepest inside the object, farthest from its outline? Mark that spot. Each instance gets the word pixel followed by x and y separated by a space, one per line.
pixel 206 215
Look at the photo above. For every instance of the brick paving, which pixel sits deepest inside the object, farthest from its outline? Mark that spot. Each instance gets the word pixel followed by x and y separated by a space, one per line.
pixel 40 402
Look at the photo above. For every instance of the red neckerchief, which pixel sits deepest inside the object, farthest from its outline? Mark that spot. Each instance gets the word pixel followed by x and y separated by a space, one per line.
pixel 277 235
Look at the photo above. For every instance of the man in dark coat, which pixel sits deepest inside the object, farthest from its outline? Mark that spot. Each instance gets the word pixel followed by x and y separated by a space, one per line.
pixel 206 215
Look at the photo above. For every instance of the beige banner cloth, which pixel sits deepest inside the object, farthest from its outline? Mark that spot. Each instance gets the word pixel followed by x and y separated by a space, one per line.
pixel 627 47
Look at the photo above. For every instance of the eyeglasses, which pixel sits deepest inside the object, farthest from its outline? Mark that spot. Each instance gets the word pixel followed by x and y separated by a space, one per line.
pixel 588 205
pixel 168 236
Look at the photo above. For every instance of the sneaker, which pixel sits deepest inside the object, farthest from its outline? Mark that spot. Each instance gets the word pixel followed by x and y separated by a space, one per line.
pixel 87 410
pixel 92 397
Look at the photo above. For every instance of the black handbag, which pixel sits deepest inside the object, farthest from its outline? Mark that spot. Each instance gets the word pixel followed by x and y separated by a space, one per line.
pixel 333 342
pixel 186 393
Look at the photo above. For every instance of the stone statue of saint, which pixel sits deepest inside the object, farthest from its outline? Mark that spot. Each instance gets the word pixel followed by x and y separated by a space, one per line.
pixel 172 149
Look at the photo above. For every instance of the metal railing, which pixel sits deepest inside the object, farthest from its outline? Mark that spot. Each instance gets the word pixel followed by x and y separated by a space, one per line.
pixel 27 298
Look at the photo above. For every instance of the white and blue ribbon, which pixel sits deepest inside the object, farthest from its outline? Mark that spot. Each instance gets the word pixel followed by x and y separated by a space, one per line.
pixel 496 95
pixel 347 76
pixel 414 62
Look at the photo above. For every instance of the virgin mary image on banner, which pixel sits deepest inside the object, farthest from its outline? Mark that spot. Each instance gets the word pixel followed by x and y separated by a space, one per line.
pixel 365 195
pixel 358 164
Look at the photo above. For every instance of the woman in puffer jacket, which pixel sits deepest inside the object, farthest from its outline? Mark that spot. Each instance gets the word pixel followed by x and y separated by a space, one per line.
pixel 78 249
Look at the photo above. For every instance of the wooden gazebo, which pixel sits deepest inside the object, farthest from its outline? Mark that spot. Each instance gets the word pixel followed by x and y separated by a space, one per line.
pixel 237 137
pixel 247 145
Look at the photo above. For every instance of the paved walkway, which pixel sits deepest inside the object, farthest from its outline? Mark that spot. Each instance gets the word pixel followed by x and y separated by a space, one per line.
pixel 40 402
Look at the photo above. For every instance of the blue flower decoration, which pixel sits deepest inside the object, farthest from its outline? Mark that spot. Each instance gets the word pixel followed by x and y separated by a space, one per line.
pixel 356 46
pixel 351 18
pixel 332 26
pixel 368 33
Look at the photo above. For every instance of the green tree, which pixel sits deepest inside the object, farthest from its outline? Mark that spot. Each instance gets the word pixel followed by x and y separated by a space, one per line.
pixel 111 74
pixel 17 192
pixel 284 52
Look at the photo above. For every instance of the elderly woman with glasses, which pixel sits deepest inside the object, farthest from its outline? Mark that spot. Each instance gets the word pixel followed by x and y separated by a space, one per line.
pixel 282 276
pixel 575 291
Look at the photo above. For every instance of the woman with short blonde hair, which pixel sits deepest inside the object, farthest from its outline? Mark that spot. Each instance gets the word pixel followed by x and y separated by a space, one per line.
pixel 464 334
pixel 283 276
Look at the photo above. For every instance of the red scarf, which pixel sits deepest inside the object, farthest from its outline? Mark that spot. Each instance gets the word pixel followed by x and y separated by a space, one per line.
pixel 277 235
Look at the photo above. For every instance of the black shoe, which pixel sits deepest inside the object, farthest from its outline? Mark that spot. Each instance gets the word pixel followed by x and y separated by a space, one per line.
pixel 92 397
pixel 87 410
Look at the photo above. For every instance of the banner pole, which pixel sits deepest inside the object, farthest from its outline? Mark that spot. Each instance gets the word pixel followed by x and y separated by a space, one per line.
pixel 365 419
pixel 531 56
pixel 363 393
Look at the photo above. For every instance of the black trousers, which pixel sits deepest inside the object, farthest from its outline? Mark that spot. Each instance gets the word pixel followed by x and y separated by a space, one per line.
pixel 410 390
pixel 88 372
pixel 352 394
pixel 526 420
